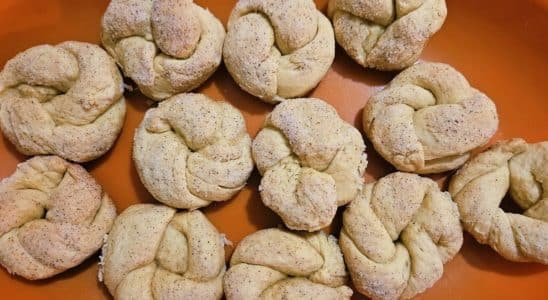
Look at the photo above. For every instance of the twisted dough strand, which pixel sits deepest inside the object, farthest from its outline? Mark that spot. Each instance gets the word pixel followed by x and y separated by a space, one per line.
pixel 429 119
pixel 275 264
pixel 191 150
pixel 278 49
pixel 153 252
pixel 311 161
pixel 397 235
pixel 165 46
pixel 53 215
pixel 479 187
pixel 52 98
pixel 386 34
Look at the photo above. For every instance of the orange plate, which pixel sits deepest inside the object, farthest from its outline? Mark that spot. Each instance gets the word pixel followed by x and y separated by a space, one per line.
pixel 500 46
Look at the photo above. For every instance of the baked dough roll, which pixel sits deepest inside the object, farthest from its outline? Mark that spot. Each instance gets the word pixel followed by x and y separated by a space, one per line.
pixel 385 34
pixel 397 235
pixel 53 216
pixel 311 161
pixel 155 252
pixel 65 100
pixel 165 46
pixel 190 151
pixel 480 185
pixel 278 264
pixel 278 49
pixel 429 119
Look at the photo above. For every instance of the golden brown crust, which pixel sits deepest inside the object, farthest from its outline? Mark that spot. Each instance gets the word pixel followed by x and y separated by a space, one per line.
pixel 278 49
pixel 191 151
pixel 397 235
pixel 64 100
pixel 166 46
pixel 153 252
pixel 311 160
pixel 480 185
pixel 429 119
pixel 386 34
pixel 278 264
pixel 53 215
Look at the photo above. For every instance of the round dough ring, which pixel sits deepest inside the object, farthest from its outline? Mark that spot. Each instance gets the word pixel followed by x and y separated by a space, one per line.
pixel 278 49
pixel 481 184
pixel 278 264
pixel 397 235
pixel 311 160
pixel 165 46
pixel 428 119
pixel 386 34
pixel 53 216
pixel 65 100
pixel 155 252
pixel 190 151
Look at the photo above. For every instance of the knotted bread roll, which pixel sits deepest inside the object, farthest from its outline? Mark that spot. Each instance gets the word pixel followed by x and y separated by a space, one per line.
pixel 397 235
pixel 65 100
pixel 278 264
pixel 191 150
pixel 165 46
pixel 53 215
pixel 478 189
pixel 277 49
pixel 386 34
pixel 153 252
pixel 429 119
pixel 311 160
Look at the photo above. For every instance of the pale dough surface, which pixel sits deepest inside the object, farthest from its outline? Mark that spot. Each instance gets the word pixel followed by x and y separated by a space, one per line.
pixel 65 100
pixel 428 119
pixel 480 185
pixel 386 34
pixel 278 49
pixel 53 216
pixel 279 264
pixel 155 252
pixel 397 235
pixel 311 160
pixel 191 150
pixel 165 46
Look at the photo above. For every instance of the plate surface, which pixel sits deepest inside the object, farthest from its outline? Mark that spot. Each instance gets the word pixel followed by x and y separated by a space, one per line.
pixel 500 46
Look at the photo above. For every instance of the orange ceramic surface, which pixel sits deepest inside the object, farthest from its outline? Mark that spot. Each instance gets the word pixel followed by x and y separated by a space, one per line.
pixel 501 46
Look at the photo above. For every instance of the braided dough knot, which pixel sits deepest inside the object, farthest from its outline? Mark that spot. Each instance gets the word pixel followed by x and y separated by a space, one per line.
pixel 278 49
pixel 65 100
pixel 311 160
pixel 397 235
pixel 277 264
pixel 153 252
pixel 479 187
pixel 53 215
pixel 429 119
pixel 191 150
pixel 386 34
pixel 165 46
